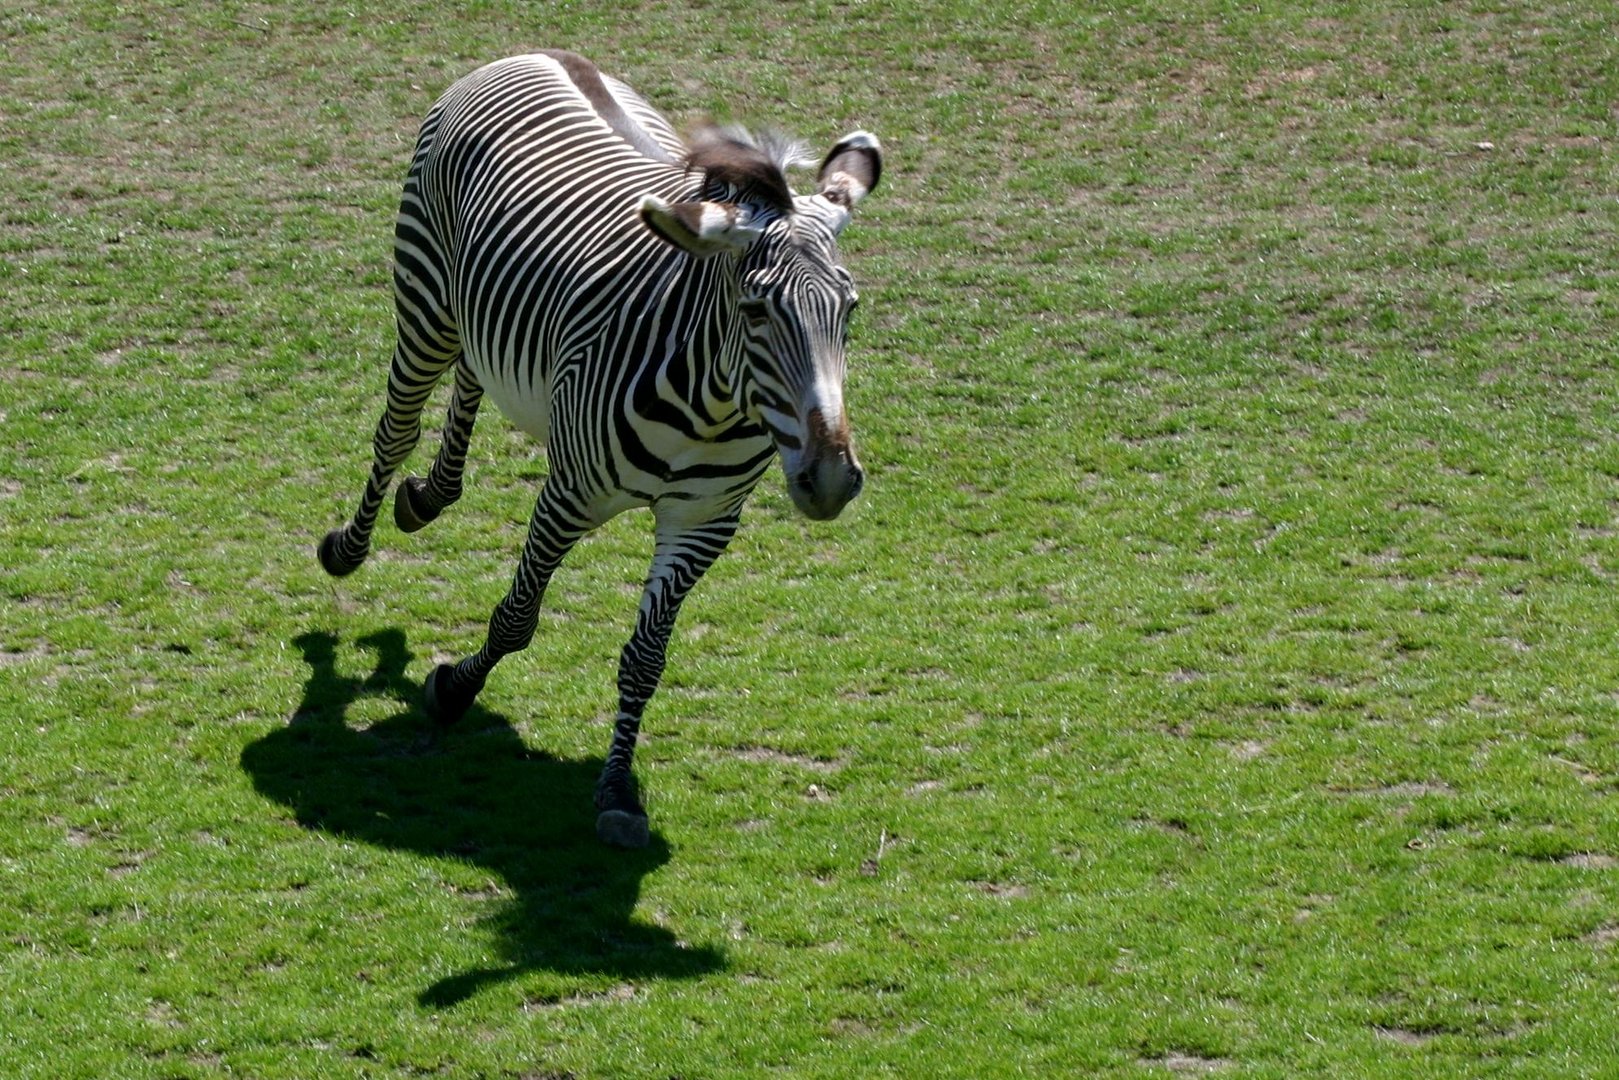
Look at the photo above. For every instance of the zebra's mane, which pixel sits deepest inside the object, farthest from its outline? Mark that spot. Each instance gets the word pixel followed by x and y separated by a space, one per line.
pixel 745 166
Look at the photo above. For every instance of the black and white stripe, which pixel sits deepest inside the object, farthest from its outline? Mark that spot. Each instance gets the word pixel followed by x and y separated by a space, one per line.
pixel 665 318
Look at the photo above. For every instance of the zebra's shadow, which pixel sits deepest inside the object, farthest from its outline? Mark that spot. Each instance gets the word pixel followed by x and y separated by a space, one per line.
pixel 477 794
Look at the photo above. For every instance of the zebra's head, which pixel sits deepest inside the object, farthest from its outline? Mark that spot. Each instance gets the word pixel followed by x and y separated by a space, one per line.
pixel 793 295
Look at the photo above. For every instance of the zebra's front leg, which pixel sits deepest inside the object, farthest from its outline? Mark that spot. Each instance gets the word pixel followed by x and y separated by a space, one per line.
pixel 552 532
pixel 682 556
pixel 417 501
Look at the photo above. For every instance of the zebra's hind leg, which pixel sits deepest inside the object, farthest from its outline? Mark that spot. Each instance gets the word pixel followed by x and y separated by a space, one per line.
pixel 410 381
pixel 552 532
pixel 683 554
pixel 417 501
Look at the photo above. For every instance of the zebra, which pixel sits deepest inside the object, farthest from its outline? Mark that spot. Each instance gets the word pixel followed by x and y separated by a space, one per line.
pixel 665 318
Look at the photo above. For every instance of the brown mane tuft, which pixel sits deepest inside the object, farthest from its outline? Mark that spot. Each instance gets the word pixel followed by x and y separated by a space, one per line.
pixel 740 168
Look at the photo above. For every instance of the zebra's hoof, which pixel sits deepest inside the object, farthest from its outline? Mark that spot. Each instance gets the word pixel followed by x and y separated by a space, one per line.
pixel 411 509
pixel 332 560
pixel 622 829
pixel 442 701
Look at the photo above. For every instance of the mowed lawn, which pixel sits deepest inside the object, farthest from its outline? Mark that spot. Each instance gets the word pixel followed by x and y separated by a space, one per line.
pixel 1219 674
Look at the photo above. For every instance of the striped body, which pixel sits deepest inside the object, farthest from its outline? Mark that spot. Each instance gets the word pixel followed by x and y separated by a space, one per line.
pixel 568 307
pixel 665 319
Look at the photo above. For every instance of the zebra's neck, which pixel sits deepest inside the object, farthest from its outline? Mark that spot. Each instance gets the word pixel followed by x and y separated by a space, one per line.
pixel 698 341
pixel 731 372
pixel 716 345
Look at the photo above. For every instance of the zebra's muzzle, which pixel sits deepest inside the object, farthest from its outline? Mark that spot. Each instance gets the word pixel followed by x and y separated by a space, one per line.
pixel 822 490
pixel 824 476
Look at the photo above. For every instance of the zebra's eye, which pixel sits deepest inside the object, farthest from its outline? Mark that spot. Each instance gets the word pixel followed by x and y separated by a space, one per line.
pixel 754 307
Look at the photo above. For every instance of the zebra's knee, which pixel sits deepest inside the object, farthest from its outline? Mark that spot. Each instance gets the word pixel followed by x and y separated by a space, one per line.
pixel 513 624
pixel 640 665
pixel 340 552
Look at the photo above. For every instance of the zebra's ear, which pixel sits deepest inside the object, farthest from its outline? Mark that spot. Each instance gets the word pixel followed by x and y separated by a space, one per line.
pixel 703 229
pixel 852 169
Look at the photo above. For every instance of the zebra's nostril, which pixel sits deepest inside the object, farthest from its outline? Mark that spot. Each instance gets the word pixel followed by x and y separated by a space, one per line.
pixel 805 482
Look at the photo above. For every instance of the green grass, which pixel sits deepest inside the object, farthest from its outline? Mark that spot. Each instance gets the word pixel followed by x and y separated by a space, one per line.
pixel 1218 674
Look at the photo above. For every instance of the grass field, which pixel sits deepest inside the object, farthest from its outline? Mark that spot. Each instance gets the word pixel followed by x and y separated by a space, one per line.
pixel 1217 676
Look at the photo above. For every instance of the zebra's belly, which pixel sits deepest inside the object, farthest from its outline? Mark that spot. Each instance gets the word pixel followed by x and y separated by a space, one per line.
pixel 527 406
